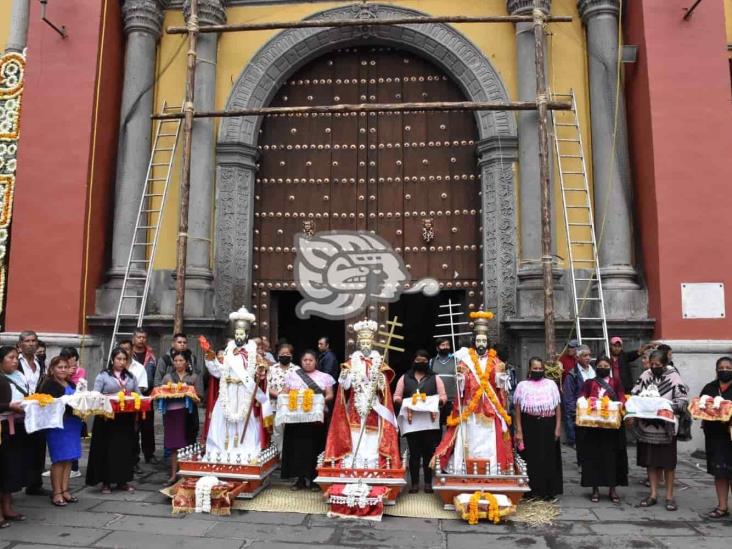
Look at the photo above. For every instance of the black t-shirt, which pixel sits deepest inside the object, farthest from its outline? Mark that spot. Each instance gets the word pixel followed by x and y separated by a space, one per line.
pixel 140 357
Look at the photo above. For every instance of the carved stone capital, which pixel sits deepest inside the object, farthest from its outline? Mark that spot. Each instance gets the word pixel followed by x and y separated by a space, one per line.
pixel 592 8
pixel 210 12
pixel 525 7
pixel 142 16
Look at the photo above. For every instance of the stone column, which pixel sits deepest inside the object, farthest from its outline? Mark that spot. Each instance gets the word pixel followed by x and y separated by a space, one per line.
pixel 611 172
pixel 18 36
pixel 236 169
pixel 199 300
pixel 142 20
pixel 530 302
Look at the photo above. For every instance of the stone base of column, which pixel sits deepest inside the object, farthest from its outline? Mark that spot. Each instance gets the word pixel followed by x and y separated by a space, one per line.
pixel 199 301
pixel 530 292
pixel 624 297
pixel 90 348
pixel 107 295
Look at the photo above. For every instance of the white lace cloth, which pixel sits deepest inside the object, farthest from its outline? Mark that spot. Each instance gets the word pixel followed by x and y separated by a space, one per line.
pixel 39 417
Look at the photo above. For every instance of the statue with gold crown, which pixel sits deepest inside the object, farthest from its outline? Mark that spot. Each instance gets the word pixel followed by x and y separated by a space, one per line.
pixel 478 439
pixel 363 429
pixel 242 413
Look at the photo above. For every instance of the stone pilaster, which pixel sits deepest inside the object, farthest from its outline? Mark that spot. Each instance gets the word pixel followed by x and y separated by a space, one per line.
pixel 142 21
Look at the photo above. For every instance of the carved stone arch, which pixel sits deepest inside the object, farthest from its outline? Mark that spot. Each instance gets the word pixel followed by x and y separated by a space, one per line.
pixel 293 48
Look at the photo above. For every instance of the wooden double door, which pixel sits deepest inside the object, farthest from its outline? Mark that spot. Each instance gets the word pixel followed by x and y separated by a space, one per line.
pixel 410 178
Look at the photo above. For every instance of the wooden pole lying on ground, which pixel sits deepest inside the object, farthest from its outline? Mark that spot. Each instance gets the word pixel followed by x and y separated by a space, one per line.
pixel 185 181
pixel 377 108
pixel 324 23
pixel 544 182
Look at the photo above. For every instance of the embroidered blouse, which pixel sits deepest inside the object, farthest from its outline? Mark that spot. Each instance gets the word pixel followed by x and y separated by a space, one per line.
pixel 537 398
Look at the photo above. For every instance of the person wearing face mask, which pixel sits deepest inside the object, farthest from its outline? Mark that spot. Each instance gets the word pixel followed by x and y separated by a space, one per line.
pixel 420 428
pixel 602 452
pixel 656 448
pixel 276 375
pixel 571 389
pixel 443 364
pixel 717 442
pixel 537 428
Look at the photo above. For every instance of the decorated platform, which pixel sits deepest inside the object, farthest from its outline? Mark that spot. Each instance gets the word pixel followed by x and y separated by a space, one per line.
pixel 249 478
pixel 513 483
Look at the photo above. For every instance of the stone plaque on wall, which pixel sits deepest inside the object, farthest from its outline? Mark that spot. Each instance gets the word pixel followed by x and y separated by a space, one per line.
pixel 702 300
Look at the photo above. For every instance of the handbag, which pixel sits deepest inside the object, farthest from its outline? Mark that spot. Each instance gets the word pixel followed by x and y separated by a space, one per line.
pixel 684 432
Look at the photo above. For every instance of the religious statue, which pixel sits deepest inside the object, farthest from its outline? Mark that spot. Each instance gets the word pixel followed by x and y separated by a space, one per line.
pixel 478 436
pixel 242 414
pixel 363 429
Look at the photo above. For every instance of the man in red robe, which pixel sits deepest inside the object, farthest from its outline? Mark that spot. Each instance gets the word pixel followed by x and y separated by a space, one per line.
pixel 363 429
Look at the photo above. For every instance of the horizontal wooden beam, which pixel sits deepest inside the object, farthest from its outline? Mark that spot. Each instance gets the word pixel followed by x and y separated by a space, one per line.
pixel 376 107
pixel 319 23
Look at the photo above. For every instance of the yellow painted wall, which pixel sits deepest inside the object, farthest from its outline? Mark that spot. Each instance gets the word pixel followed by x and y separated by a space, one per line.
pixel 567 68
pixel 6 6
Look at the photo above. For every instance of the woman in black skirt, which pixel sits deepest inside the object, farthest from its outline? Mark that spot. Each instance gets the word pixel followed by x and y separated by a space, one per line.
pixel 717 440
pixel 657 438
pixel 537 423
pixel 111 455
pixel 303 442
pixel 602 452
pixel 13 445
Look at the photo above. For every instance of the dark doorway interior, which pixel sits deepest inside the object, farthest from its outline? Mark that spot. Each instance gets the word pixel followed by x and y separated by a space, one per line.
pixel 304 334
pixel 419 313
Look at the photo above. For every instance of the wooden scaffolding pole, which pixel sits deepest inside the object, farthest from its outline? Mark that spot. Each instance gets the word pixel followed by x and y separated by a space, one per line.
pixel 185 181
pixel 544 182
pixel 244 27
pixel 377 107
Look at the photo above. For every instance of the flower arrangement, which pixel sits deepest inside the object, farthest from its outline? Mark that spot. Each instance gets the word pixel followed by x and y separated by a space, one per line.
pixel 417 397
pixel 307 400
pixel 41 398
pixel 121 399
pixel 481 314
pixel 292 404
pixel 493 513
pixel 484 389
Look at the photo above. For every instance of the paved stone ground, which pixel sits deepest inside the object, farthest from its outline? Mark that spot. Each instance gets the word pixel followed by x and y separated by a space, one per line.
pixel 143 520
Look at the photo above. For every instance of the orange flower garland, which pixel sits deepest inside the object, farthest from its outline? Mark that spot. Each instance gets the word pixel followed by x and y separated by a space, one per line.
pixel 417 397
pixel 307 400
pixel 494 512
pixel 41 398
pixel 484 389
pixel 292 400
pixel 121 399
pixel 605 407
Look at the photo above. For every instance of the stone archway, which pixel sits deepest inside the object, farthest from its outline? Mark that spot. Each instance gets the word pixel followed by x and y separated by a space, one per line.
pixel 289 50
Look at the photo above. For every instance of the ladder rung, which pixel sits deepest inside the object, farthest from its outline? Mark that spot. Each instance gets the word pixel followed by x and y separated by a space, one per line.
pixel 593 339
pixel 572 173
pixel 580 224
pixel 585 279
pixel 576 207
pixel 588 299
pixel 163 149
pixel 142 243
pixel 151 211
pixel 568 140
pixel 146 227
pixel 158 164
pixel 167 135
pixel 581 241
pixel 570 156
pixel 564 124
pixel 575 189
pixel 590 318
pixel 153 195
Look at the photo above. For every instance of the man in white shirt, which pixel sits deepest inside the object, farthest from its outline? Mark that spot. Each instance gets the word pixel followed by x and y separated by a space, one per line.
pixel 572 387
pixel 33 372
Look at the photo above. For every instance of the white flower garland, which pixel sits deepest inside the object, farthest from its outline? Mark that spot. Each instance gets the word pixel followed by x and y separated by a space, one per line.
pixel 361 383
pixel 235 416
pixel 204 485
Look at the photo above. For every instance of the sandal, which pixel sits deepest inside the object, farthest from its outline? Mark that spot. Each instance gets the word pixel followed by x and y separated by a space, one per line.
pixel 16 518
pixel 106 489
pixel 126 488
pixel 5 524
pixel 718 513
pixel 595 497
pixel 69 498
pixel 648 502
pixel 59 503
pixel 671 505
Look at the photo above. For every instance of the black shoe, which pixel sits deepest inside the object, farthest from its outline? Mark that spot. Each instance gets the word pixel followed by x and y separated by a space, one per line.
pixel 152 460
pixel 37 492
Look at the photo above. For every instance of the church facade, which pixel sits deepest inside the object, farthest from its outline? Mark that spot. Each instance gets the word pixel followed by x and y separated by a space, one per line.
pixel 456 194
